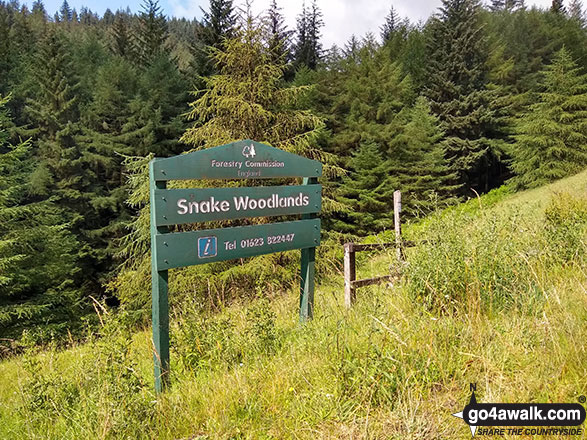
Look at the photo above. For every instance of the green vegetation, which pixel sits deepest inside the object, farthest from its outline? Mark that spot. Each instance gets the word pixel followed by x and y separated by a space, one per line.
pixel 442 110
pixel 395 366
pixel 481 103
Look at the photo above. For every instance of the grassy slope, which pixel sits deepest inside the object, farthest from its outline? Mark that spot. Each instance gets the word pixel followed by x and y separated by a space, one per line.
pixel 387 369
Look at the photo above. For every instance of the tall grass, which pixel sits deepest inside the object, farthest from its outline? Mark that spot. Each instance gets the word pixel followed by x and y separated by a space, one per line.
pixel 492 297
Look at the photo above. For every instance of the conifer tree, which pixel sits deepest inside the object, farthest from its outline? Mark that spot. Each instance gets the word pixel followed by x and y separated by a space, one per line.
pixel 249 83
pixel 418 166
pixel 457 90
pixel 218 24
pixel 108 17
pixel 576 11
pixel 367 191
pixel 506 5
pixel 65 171
pixel 391 25
pixel 371 93
pixel 552 139
pixel 278 36
pixel 156 119
pixel 308 48
pixel 150 34
pixel 104 141
pixel 65 12
pixel 37 252
pixel 557 7
pixel 121 36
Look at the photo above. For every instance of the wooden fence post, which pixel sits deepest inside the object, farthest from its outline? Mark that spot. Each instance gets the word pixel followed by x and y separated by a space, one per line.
pixel 349 274
pixel 397 208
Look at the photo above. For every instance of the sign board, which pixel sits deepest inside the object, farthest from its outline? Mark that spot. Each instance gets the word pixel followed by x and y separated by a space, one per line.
pixel 238 160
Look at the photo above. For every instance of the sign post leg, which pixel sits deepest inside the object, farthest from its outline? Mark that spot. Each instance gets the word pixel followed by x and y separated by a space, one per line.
pixel 307 284
pixel 160 329
pixel 308 270
pixel 160 302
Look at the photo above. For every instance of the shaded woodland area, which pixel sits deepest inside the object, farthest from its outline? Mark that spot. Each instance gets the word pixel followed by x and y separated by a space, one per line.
pixel 477 97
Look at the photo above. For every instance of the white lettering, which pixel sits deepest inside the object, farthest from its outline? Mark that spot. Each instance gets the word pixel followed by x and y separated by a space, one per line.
pixel 181 204
pixel 241 202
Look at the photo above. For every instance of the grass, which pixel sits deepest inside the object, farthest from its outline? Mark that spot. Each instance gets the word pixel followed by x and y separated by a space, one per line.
pixel 396 366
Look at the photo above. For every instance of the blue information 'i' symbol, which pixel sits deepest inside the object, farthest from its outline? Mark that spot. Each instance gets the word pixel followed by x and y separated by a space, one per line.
pixel 207 247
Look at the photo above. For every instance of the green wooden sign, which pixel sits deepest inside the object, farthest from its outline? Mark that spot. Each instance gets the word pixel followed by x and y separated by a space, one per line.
pixel 201 247
pixel 238 160
pixel 180 206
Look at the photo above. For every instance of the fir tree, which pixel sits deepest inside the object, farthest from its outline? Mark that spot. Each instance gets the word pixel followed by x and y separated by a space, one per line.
pixel 368 193
pixel 457 90
pixel 308 48
pixel 557 7
pixel 121 36
pixel 64 170
pixel 38 11
pixel 419 168
pixel 391 25
pixel 65 12
pixel 156 119
pixel 218 24
pixel 278 37
pixel 249 83
pixel 552 139
pixel 371 93
pixel 506 5
pixel 576 11
pixel 108 17
pixel 151 33
pixel 37 252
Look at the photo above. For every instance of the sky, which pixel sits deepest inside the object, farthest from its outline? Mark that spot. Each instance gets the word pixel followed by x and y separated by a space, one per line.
pixel 342 18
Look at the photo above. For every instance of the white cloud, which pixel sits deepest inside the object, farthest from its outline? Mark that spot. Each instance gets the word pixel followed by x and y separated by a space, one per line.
pixel 342 18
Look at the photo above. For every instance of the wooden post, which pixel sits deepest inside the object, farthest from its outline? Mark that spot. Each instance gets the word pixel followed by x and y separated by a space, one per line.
pixel 397 208
pixel 160 307
pixel 307 270
pixel 349 274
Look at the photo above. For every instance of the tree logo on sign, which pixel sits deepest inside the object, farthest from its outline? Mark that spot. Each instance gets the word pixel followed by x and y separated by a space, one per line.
pixel 249 151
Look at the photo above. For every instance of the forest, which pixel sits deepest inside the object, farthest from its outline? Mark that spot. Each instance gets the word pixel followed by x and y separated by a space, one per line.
pixel 478 97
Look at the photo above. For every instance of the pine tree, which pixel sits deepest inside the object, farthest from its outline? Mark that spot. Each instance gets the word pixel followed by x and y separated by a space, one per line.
pixel 557 7
pixel 65 12
pixel 552 139
pixel 457 90
pixel 576 11
pixel 391 25
pixel 150 34
pixel 308 48
pixel 419 168
pixel 218 24
pixel 37 252
pixel 368 193
pixel 65 171
pixel 121 36
pixel 278 36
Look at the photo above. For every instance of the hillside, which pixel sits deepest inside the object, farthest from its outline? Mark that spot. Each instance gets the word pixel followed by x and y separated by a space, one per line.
pixel 496 296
